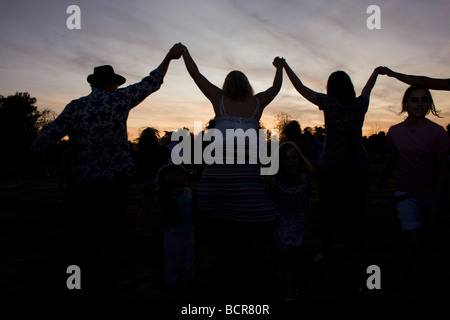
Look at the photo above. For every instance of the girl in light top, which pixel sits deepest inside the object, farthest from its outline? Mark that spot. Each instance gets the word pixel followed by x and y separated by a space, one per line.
pixel 234 196
pixel 419 149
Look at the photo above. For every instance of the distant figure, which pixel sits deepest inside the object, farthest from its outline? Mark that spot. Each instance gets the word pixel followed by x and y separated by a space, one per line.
pixel 178 207
pixel 103 157
pixel 315 148
pixel 430 83
pixel 149 156
pixel 169 145
pixel 418 149
pixel 293 132
pixel 342 171
pixel 290 188
pixel 234 196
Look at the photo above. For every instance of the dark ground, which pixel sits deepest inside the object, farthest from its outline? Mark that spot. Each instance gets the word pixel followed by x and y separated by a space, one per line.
pixel 35 234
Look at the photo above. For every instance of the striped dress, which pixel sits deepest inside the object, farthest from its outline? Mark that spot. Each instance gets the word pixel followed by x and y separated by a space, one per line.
pixel 236 191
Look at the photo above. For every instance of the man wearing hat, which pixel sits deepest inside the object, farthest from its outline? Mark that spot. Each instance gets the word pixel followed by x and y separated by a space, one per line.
pixel 98 124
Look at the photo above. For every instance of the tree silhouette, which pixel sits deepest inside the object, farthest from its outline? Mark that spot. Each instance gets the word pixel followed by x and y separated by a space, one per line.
pixel 47 116
pixel 19 125
pixel 281 120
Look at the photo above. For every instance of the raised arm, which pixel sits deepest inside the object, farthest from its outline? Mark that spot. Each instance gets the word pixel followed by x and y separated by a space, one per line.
pixel 430 83
pixel 267 96
pixel 174 53
pixel 371 82
pixel 212 92
pixel 306 92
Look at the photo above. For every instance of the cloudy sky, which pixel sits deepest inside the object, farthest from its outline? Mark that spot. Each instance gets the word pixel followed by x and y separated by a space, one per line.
pixel 40 55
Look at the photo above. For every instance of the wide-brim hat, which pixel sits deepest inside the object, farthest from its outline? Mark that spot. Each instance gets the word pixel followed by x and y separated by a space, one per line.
pixel 103 73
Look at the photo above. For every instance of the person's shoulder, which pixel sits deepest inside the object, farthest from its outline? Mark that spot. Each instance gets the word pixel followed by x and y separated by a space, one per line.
pixel 79 101
pixel 325 100
pixel 362 102
pixel 396 127
pixel 364 98
pixel 82 98
pixel 436 128
pixel 434 125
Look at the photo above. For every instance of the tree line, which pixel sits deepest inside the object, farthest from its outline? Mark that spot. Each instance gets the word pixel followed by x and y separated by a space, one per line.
pixel 21 122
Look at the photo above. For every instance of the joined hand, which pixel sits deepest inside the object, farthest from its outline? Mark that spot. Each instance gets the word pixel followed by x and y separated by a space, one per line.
pixel 279 62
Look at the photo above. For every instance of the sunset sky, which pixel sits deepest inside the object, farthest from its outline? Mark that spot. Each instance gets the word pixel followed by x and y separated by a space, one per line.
pixel 41 56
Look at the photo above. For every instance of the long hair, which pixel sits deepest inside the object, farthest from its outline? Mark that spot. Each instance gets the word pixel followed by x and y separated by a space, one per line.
pixel 340 86
pixel 147 151
pixel 237 86
pixel 414 87
pixel 148 139
pixel 304 163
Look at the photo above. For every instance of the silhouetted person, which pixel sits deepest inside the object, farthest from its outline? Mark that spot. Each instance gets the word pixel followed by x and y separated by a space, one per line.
pixel 430 83
pixel 343 167
pixel 315 148
pixel 103 157
pixel 149 156
pixel 293 132
pixel 418 149
pixel 169 145
pixel 290 189
pixel 177 203
pixel 235 196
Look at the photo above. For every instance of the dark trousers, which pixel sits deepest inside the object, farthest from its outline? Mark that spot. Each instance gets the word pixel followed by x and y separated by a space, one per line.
pixel 98 219
pixel 345 190
pixel 237 250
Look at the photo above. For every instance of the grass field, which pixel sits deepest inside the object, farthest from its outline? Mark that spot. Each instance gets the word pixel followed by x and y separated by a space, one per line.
pixel 34 228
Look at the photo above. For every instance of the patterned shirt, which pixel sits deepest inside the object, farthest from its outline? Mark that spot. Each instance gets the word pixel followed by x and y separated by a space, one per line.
pixel 99 124
pixel 344 148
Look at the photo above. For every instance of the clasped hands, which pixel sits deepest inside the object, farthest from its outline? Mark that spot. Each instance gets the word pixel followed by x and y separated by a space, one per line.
pixel 177 50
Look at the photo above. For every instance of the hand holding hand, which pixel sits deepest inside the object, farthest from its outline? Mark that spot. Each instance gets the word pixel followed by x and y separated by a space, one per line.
pixel 385 70
pixel 176 51
pixel 279 62
pixel 388 72
pixel 380 70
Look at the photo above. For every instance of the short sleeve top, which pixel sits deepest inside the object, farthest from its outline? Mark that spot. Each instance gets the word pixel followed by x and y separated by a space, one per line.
pixel 343 148
pixel 417 150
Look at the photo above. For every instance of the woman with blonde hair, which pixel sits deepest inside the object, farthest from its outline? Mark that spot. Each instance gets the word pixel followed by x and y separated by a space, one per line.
pixel 235 196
